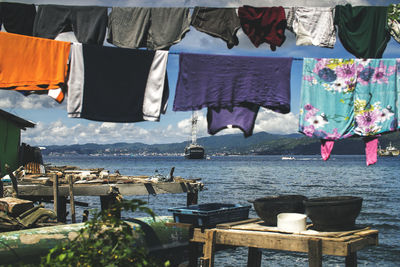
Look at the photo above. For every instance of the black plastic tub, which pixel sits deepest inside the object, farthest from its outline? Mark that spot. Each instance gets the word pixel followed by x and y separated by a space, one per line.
pixel 210 214
pixel 269 207
pixel 336 213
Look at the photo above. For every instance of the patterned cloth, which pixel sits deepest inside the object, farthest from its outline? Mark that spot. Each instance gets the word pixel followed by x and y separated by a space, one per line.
pixel 394 21
pixel 346 97
pixel 312 25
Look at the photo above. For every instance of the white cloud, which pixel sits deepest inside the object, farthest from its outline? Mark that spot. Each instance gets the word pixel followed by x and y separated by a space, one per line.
pixel 13 99
pixel 276 123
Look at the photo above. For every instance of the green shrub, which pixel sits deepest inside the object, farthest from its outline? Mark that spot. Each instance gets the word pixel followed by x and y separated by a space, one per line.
pixel 105 241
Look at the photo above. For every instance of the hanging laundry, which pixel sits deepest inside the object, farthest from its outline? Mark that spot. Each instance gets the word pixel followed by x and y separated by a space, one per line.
pixel 341 98
pixel 154 28
pixel 29 63
pixel 242 116
pixel 117 84
pixel 87 22
pixel 17 18
pixel 263 24
pixel 394 21
pixel 363 29
pixel 312 25
pixel 232 88
pixel 218 22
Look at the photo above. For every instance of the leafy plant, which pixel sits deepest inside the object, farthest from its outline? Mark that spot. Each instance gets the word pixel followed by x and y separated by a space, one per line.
pixel 106 240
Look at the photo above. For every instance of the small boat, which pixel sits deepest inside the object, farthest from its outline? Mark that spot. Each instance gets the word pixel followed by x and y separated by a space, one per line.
pixel 288 158
pixel 390 151
pixel 194 151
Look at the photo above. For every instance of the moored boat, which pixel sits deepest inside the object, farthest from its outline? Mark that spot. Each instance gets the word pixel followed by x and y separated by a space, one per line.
pixel 194 151
pixel 390 151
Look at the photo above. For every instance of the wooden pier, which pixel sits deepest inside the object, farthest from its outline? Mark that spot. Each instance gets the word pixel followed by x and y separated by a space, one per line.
pixel 253 234
pixel 57 187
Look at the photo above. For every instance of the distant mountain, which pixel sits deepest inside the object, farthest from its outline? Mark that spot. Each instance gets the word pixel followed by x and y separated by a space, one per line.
pixel 260 143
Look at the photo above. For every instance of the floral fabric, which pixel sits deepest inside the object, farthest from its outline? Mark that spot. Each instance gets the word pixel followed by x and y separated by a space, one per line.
pixel 394 21
pixel 346 97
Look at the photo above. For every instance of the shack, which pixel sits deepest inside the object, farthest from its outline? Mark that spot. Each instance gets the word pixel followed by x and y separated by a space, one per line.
pixel 10 139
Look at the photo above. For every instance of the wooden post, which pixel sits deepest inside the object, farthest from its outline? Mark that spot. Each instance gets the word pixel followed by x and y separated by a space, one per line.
pixel 351 260
pixel 208 249
pixel 192 195
pixel 193 250
pixel 62 209
pixel 171 174
pixel 1 189
pixel 55 193
pixel 315 252
pixel 71 198
pixel 13 179
pixel 254 257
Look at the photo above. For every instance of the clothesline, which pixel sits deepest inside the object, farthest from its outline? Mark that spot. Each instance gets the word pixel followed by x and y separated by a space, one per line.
pixel 178 53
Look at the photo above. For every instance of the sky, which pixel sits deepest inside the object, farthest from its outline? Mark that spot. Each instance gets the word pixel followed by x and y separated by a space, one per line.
pixel 53 127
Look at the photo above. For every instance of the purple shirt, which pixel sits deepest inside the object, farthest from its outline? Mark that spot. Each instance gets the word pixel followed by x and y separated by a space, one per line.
pixel 226 81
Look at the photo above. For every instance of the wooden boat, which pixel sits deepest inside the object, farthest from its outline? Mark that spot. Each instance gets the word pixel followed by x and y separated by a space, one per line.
pixel 163 241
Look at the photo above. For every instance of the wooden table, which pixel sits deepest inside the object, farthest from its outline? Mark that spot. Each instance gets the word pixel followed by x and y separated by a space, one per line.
pixel 254 235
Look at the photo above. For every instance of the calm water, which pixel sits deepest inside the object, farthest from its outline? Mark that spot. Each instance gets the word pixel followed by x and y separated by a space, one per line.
pixel 237 179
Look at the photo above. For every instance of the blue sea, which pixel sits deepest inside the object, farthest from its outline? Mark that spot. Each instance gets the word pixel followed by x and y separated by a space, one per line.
pixel 237 179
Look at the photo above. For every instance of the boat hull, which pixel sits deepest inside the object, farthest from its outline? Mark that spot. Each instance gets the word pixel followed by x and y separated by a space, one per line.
pixel 194 152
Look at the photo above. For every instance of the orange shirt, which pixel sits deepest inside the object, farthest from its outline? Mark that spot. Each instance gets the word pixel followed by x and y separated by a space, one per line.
pixel 31 63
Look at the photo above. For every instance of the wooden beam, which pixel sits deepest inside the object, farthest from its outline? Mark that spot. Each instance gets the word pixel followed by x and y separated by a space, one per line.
pixel 55 194
pixel 254 257
pixel 208 249
pixel 71 198
pixel 105 189
pixel 287 242
pixel 315 252
pixel 351 260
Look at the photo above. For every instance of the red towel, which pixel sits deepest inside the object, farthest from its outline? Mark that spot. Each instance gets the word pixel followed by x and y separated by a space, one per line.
pixel 264 24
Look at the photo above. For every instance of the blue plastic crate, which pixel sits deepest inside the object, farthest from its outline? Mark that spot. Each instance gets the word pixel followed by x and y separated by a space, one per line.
pixel 210 214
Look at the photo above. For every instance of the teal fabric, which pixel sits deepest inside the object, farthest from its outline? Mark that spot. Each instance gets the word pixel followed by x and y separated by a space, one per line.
pixel 341 98
pixel 363 30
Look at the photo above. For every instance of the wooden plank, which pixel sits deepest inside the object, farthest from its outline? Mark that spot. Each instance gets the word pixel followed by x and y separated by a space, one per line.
pixel 351 260
pixel 254 257
pixel 15 206
pixel 229 225
pixel 71 199
pixel 287 242
pixel 208 249
pixel 104 189
pixel 55 194
pixel 259 226
pixel 315 252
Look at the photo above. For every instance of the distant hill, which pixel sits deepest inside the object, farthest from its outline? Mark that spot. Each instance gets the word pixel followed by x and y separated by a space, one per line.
pixel 260 143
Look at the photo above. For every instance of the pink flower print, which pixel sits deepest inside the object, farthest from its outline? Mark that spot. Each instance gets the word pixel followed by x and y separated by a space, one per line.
pixel 308 107
pixel 346 71
pixel 321 64
pixel 380 74
pixel 368 118
pixel 308 78
pixel 391 70
pixel 334 135
pixel 309 130
pixel 385 114
pixel 317 121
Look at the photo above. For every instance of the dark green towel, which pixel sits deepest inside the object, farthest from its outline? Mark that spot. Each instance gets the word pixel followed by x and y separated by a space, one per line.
pixel 363 29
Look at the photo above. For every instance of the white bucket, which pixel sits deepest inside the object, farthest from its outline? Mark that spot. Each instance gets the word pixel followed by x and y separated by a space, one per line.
pixel 291 222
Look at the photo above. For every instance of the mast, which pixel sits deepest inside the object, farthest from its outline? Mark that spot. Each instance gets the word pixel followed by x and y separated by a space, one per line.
pixel 194 126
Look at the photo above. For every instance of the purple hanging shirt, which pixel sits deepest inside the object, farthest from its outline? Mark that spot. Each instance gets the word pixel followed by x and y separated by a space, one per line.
pixel 221 82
